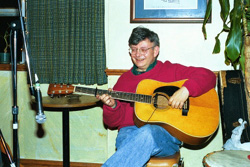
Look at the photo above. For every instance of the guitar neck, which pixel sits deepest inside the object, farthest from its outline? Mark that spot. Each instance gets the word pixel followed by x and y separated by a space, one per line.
pixel 132 97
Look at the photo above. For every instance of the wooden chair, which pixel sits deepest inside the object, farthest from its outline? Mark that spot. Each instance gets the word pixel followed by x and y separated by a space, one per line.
pixel 170 161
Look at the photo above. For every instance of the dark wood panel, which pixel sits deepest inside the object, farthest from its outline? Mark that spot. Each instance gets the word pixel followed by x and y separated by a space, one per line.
pixel 7 67
pixel 46 163
pixel 115 71
pixel 121 71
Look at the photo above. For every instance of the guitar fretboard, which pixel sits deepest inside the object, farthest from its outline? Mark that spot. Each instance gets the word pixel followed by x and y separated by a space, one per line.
pixel 133 97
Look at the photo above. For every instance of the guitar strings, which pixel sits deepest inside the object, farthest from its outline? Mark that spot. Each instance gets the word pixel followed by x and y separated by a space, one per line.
pixel 151 114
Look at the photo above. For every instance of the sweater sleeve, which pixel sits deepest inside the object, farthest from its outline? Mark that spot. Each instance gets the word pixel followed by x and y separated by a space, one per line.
pixel 112 116
pixel 199 80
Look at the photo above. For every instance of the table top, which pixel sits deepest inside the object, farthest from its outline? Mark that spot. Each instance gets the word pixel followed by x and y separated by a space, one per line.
pixel 227 158
pixel 69 101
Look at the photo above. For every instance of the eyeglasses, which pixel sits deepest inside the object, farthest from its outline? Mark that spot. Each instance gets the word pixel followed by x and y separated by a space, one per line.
pixel 142 51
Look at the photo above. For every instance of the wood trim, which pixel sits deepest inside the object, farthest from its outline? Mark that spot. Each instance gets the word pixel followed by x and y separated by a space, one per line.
pixel 48 163
pixel 22 67
pixel 121 71
pixel 115 71
pixel 7 67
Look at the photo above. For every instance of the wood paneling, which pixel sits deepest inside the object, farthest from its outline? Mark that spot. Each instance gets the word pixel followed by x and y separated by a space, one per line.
pixel 7 67
pixel 46 163
pixel 115 71
pixel 121 71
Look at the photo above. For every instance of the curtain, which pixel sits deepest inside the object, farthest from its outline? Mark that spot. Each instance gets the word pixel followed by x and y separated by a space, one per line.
pixel 66 41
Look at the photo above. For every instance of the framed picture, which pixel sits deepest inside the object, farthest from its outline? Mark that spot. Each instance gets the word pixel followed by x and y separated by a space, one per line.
pixel 168 11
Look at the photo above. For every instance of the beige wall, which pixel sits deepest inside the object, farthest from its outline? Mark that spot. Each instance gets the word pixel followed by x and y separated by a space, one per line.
pixel 182 43
pixel 88 137
pixel 90 141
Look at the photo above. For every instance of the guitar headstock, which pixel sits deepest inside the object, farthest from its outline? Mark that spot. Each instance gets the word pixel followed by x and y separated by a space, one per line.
pixel 60 89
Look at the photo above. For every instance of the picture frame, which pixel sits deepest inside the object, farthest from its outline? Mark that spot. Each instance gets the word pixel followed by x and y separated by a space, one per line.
pixel 168 11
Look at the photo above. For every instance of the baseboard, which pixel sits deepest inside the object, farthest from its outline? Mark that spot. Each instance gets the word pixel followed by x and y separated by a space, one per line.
pixel 46 163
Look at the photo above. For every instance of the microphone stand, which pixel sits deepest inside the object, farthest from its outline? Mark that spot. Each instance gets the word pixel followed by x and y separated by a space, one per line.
pixel 32 91
pixel 16 156
pixel 14 27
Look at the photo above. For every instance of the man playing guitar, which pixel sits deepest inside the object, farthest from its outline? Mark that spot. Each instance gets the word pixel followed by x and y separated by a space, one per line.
pixel 135 145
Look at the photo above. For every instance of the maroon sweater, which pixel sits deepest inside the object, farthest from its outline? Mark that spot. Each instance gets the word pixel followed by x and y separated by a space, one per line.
pixel 200 80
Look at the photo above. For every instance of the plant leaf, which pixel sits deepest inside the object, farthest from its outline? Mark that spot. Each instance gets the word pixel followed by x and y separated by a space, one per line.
pixel 242 59
pixel 226 28
pixel 217 45
pixel 227 61
pixel 225 7
pixel 234 39
pixel 247 2
pixel 207 15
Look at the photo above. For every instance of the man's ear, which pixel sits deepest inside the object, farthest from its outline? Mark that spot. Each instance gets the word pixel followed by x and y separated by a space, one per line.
pixel 156 51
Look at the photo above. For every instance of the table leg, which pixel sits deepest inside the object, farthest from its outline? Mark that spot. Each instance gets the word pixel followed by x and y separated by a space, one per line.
pixel 66 146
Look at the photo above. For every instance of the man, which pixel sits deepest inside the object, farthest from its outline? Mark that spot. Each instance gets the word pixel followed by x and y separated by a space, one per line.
pixel 136 145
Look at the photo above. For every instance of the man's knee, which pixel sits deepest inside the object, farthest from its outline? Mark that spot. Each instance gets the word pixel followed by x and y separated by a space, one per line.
pixel 146 131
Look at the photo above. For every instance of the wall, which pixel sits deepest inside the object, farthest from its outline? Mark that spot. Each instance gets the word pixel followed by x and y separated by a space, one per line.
pixel 89 140
pixel 182 42
pixel 88 137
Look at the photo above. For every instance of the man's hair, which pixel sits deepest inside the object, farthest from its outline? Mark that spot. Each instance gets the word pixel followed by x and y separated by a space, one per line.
pixel 140 33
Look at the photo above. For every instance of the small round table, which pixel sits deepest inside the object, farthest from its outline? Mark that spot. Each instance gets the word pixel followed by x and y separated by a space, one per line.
pixel 66 104
pixel 227 158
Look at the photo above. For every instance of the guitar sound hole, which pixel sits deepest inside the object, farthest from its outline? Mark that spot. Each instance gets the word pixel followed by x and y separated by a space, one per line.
pixel 161 101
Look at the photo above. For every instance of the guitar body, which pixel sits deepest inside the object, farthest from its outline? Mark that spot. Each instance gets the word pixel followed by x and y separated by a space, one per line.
pixel 195 128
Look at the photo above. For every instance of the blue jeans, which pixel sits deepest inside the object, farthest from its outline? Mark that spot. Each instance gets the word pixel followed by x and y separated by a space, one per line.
pixel 136 145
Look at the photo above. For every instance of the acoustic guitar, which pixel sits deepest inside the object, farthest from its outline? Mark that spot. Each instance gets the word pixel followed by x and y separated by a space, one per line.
pixel 194 124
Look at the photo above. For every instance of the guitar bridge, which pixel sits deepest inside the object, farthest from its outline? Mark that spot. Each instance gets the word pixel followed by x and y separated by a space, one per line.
pixel 185 108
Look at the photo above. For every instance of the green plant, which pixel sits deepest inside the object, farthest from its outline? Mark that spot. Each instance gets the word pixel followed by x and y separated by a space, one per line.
pixel 5 37
pixel 237 45
pixel 235 24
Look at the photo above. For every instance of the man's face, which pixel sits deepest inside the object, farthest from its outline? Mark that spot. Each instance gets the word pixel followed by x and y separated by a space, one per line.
pixel 143 54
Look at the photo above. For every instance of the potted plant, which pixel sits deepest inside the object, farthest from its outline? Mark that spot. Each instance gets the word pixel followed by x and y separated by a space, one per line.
pixel 5 55
pixel 237 44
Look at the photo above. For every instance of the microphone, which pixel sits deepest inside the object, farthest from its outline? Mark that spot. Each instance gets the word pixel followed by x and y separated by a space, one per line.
pixel 40 117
